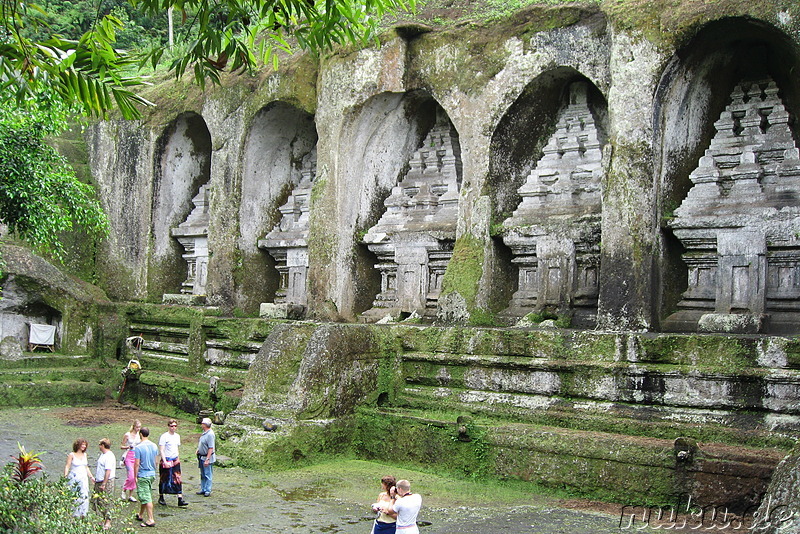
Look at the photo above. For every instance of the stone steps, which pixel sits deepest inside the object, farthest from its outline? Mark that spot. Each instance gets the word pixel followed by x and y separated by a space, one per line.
pixel 629 419
pixel 34 360
pixel 614 464
pixel 54 380
pixel 522 384
pixel 53 393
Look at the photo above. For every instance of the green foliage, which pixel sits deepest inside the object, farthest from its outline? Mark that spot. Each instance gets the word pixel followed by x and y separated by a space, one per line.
pixel 72 49
pixel 39 506
pixel 88 70
pixel 40 196
pixel 242 34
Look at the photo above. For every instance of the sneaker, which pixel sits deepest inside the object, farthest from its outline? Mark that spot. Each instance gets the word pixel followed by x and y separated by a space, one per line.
pixel 181 502
pixel 161 501
pixel 207 494
pixel 199 493
pixel 132 499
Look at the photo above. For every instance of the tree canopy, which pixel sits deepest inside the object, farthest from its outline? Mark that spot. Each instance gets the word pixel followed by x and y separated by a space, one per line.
pixel 36 53
pixel 40 196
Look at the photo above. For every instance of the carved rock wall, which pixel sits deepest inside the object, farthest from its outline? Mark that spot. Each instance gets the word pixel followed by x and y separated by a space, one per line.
pixel 503 90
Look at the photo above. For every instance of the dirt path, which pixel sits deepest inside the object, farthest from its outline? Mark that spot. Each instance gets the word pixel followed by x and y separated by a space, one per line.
pixel 332 498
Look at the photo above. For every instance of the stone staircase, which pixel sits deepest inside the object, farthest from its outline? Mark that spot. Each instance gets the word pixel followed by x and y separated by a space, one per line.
pixel 609 415
pixel 192 361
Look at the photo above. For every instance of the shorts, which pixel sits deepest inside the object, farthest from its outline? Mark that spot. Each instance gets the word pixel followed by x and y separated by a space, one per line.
pixel 144 489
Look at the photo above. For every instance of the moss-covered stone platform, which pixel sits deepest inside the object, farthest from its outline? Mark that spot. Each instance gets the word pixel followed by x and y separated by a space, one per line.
pixel 625 417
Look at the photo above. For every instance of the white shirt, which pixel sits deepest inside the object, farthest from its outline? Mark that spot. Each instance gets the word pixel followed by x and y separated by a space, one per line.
pixel 170 442
pixel 107 461
pixel 407 508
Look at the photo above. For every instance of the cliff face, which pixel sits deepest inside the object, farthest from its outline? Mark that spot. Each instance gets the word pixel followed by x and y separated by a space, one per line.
pixel 354 130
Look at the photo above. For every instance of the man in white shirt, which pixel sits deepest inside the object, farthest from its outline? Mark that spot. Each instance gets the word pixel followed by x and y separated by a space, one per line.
pixel 170 481
pixel 104 482
pixel 406 508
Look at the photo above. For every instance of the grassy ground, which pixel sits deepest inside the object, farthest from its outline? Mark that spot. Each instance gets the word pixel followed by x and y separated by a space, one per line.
pixel 328 498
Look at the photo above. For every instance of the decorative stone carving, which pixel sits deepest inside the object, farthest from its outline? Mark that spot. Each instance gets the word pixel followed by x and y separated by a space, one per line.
pixel 414 238
pixel 287 243
pixel 740 221
pixel 554 234
pixel 192 234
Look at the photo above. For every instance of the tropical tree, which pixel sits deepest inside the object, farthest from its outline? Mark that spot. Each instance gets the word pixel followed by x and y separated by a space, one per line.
pixel 40 196
pixel 218 35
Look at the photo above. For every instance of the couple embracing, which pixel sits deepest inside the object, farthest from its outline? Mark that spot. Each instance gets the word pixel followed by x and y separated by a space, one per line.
pixel 398 508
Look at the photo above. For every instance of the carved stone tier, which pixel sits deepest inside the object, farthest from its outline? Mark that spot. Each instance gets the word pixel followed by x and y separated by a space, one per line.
pixel 414 238
pixel 554 234
pixel 740 222
pixel 287 243
pixel 192 234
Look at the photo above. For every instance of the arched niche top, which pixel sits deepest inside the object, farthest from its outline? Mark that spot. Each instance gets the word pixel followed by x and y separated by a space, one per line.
pixel 378 140
pixel 183 165
pixel 188 125
pixel 525 128
pixel 279 146
pixel 696 86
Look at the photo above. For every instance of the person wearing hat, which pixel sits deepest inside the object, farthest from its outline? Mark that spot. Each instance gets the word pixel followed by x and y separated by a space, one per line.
pixel 206 457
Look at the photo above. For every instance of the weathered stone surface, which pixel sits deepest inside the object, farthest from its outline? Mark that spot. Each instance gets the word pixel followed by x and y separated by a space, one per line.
pixel 35 291
pixel 501 88
pixel 780 507
pixel 10 348
pixel 288 241
pixel 413 239
pixel 554 233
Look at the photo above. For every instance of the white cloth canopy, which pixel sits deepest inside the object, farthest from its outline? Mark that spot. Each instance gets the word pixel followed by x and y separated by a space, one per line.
pixel 42 334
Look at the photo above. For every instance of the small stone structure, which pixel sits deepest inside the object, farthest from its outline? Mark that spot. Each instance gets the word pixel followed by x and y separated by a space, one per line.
pixel 414 238
pixel 193 237
pixel 287 243
pixel 554 234
pixel 739 222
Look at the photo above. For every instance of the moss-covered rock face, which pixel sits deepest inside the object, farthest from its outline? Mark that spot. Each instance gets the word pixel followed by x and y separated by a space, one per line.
pixel 779 509
pixel 38 292
pixel 655 74
pixel 598 413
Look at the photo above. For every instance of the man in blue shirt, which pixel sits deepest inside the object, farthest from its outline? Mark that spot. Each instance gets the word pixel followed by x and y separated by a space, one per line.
pixel 206 457
pixel 144 469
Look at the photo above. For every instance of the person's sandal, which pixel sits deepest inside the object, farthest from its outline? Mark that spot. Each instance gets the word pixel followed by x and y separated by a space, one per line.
pixel 147 525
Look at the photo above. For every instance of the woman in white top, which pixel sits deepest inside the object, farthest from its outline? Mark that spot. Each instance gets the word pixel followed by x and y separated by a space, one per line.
pixel 78 473
pixel 129 441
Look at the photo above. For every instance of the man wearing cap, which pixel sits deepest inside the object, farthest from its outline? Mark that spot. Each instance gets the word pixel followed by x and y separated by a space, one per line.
pixel 206 457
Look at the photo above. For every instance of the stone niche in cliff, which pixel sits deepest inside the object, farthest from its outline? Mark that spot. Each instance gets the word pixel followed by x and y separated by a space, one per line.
pixel 413 240
pixel 554 233
pixel 192 234
pixel 278 170
pixel 287 243
pixel 21 306
pixel 180 211
pixel 740 221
